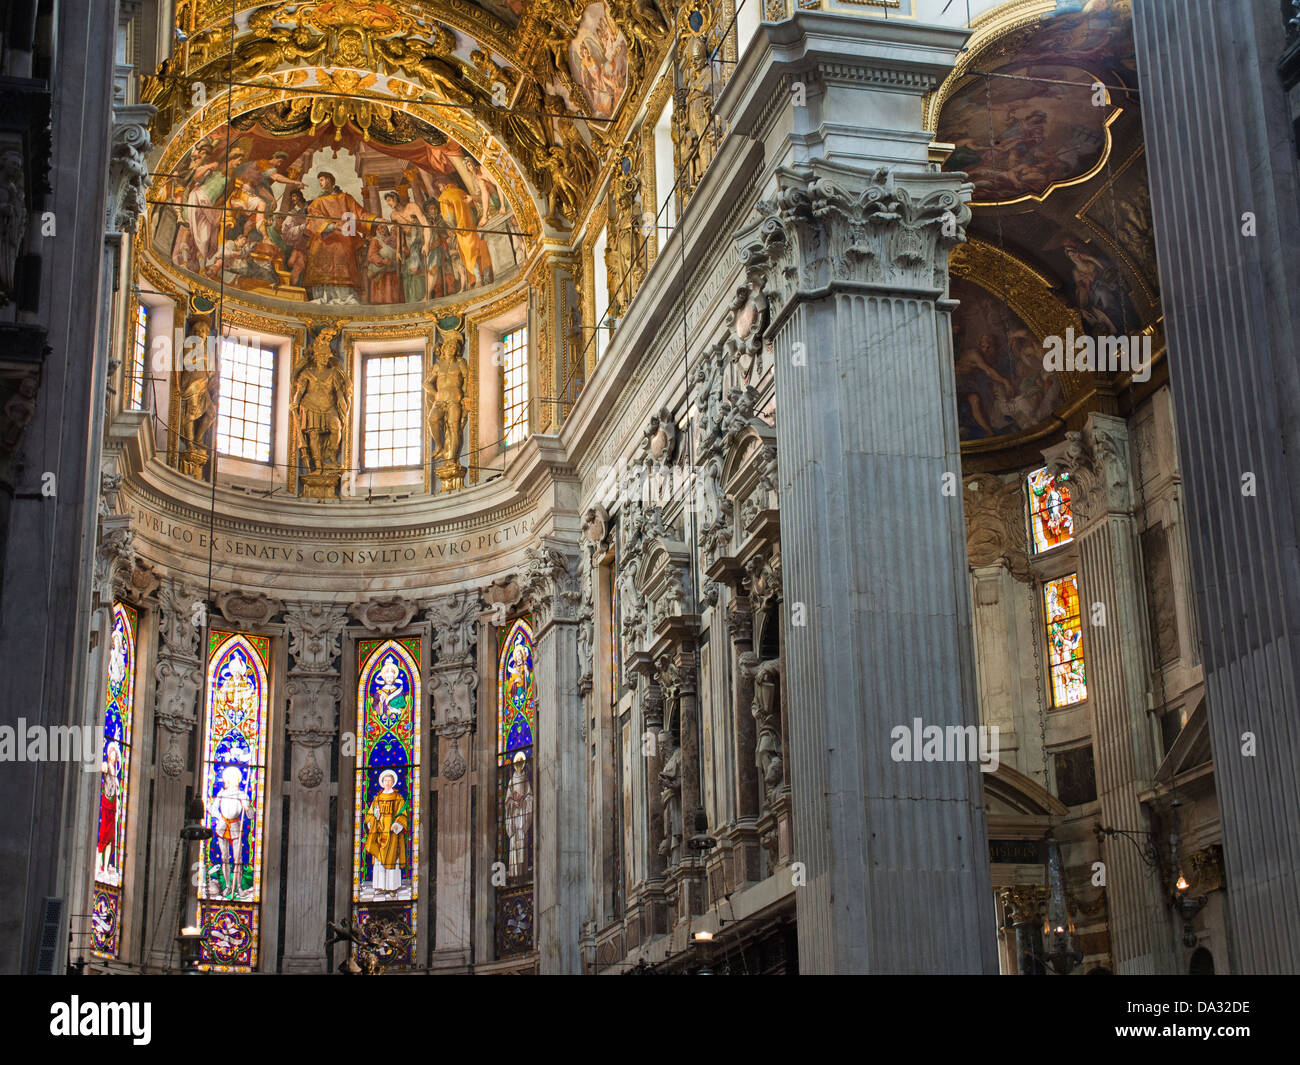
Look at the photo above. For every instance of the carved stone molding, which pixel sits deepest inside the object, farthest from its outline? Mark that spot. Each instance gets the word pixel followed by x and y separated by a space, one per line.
pixel 1096 462
pixel 833 226
pixel 315 636
pixel 114 555
pixel 384 616
pixel 995 526
pixel 246 608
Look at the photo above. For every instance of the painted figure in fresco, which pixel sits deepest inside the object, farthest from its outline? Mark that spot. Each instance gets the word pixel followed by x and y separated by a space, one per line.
pixel 518 816
pixel 980 381
pixel 203 195
pixel 386 821
pixel 110 778
pixel 334 244
pixel 445 389
pixel 229 808
pixel 293 236
pixel 412 228
pixel 1099 290
pixel 383 285
pixel 319 405
pixel 444 273
pixel 457 211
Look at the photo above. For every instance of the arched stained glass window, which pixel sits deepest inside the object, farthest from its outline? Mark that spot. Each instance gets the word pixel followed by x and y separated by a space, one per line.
pixel 516 735
pixel 1051 521
pixel 234 797
pixel 114 786
pixel 386 813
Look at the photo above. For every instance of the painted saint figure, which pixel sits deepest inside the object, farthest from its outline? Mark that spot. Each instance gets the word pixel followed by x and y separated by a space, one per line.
pixel 518 816
pixel 385 824
pixel 110 783
pixel 333 272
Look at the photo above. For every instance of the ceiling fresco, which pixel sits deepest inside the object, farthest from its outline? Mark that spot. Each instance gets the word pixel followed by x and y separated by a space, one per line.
pixel 281 205
pixel 1060 194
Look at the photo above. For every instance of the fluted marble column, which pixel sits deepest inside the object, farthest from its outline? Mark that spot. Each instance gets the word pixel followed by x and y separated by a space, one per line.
pixel 1117 658
pixel 179 679
pixel 853 266
pixel 1226 230
pixel 453 684
pixel 314 689
pixel 550 579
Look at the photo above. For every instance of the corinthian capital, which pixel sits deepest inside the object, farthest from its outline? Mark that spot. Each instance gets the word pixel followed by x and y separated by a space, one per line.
pixel 129 166
pixel 315 636
pixel 831 226
pixel 550 580
pixel 1096 461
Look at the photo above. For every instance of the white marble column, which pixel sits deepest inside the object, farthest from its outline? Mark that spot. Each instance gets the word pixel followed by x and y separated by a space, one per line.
pixel 314 689
pixel 453 686
pixel 550 580
pixel 1118 671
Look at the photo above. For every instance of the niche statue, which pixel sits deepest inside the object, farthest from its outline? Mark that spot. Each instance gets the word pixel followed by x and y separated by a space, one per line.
pixel 319 408
pixel 445 390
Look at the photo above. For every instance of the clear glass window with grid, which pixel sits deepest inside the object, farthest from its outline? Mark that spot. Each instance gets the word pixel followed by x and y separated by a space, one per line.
pixel 139 345
pixel 244 410
pixel 514 386
pixel 393 412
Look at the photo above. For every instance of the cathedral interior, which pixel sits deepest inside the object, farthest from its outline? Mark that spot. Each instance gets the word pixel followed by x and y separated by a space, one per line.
pixel 649 487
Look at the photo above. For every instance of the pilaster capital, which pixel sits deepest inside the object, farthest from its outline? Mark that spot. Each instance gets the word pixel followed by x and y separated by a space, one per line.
pixel 832 227
pixel 1096 462
pixel 452 688
pixel 315 636
pixel 128 166
pixel 453 618
pixel 550 580
pixel 180 614
pixel 995 524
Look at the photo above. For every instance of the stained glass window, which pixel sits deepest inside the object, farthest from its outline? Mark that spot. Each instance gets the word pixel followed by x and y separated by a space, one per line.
pixel 1064 640
pixel 516 733
pixel 1051 522
pixel 393 415
pixel 514 386
pixel 234 796
pixel 386 810
pixel 114 785
pixel 139 345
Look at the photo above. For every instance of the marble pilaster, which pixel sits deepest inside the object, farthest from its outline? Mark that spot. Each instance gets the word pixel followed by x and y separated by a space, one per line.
pixel 1117 657
pixel 314 689
pixel 550 580
pixel 453 685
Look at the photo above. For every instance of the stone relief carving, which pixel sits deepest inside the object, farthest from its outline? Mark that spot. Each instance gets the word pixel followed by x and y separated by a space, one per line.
pixel 246 608
pixel 995 527
pixel 13 213
pixel 384 616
